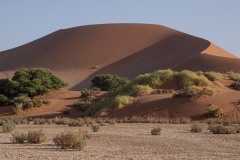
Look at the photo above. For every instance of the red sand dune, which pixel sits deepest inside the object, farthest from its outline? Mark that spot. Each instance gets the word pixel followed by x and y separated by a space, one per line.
pixel 124 49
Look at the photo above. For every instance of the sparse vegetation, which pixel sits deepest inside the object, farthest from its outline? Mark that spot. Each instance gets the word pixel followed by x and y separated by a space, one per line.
pixel 234 76
pixel 121 101
pixel 95 127
pixel 212 76
pixel 194 93
pixel 214 112
pixel 220 129
pixel 156 131
pixel 71 140
pixel 18 137
pixel 196 128
pixel 36 137
pixel 191 85
pixel 8 126
pixel 142 90
pixel 236 85
pixel 76 123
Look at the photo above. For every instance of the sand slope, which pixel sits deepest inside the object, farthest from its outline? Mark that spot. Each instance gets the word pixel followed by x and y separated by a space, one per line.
pixel 124 49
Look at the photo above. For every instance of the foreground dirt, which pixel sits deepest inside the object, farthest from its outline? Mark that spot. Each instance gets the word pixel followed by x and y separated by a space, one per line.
pixel 127 141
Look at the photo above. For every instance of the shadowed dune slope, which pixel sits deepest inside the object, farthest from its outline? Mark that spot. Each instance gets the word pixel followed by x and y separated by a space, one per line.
pixel 124 49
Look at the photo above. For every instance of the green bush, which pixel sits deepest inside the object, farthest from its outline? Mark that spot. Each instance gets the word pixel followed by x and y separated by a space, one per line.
pixel 121 101
pixel 214 112
pixel 8 126
pixel 95 127
pixel 71 140
pixel 107 82
pixel 156 131
pixel 18 137
pixel 36 81
pixel 36 137
pixel 141 90
pixel 220 129
pixel 4 101
pixel 196 128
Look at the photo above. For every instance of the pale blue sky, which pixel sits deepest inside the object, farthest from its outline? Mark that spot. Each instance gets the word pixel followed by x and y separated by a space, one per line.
pixel 22 21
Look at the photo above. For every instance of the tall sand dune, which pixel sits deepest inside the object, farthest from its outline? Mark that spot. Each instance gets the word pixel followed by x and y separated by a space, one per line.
pixel 77 54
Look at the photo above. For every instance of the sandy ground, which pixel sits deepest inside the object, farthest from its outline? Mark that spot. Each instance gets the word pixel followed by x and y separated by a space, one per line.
pixel 127 141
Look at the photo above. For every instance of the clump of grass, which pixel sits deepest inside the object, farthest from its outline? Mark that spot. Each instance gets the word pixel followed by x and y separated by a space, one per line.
pixel 71 140
pixel 95 127
pixel 156 131
pixel 187 79
pixel 220 129
pixel 234 76
pixel 18 137
pixel 196 128
pixel 121 101
pixel 212 76
pixel 214 112
pixel 36 137
pixel 8 126
pixel 194 93
pixel 141 90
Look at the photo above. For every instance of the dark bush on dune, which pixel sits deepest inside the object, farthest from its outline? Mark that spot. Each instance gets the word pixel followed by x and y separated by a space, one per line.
pixel 108 82
pixel 28 83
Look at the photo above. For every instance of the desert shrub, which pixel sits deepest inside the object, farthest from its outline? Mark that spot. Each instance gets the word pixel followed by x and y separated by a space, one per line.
pixel 18 137
pixel 39 121
pixel 141 90
pixel 46 102
pixel 196 128
pixel 220 129
pixel 212 76
pixel 9 88
pixel 187 79
pixel 107 82
pixel 86 93
pixel 237 128
pixel 214 112
pixel 180 120
pixel 24 102
pixel 193 93
pixel 156 131
pixel 95 127
pixel 234 76
pixel 8 126
pixel 4 100
pixel 121 101
pixel 76 123
pixel 155 79
pixel 236 85
pixel 36 81
pixel 36 137
pixel 71 140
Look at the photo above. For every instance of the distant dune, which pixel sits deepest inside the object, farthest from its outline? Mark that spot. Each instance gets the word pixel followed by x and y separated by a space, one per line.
pixel 77 54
